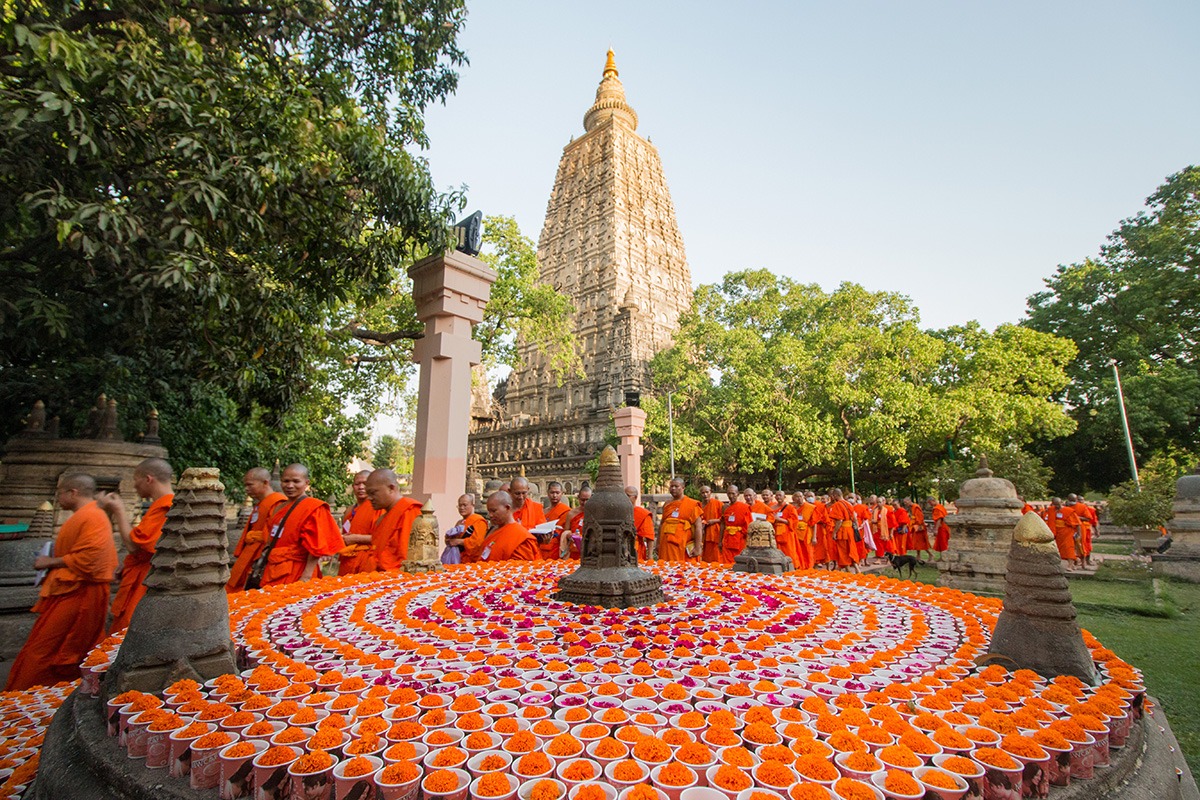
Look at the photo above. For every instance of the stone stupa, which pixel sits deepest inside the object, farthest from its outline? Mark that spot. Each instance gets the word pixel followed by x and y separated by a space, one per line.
pixel 981 529
pixel 1182 559
pixel 608 573
pixel 761 554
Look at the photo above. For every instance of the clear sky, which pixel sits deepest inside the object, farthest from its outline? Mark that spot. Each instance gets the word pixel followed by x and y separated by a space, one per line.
pixel 956 152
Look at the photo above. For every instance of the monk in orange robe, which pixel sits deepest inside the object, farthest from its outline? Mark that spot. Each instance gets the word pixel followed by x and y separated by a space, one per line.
pixel 151 481
pixel 357 523
pixel 841 523
pixel 803 533
pixel 735 524
pixel 824 551
pixel 509 539
pixel 73 600
pixel 389 537
pixel 469 533
pixel 551 548
pixel 680 526
pixel 710 512
pixel 918 534
pixel 1088 522
pixel 787 522
pixel 881 531
pixel 863 515
pixel 254 535
pixel 525 511
pixel 570 526
pixel 757 506
pixel 1064 524
pixel 643 524
pixel 302 530
pixel 941 535
pixel 899 515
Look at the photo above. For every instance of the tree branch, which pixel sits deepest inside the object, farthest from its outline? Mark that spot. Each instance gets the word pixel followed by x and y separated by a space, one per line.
pixel 380 338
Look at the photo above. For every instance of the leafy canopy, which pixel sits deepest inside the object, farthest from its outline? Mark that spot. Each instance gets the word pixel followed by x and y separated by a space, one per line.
pixel 770 377
pixel 1136 303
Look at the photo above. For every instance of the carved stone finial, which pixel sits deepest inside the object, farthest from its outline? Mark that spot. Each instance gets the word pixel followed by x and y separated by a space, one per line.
pixel 35 423
pixel 423 544
pixel 91 428
pixel 983 471
pixel 108 423
pixel 152 436
pixel 1037 628
pixel 608 573
pixel 610 100
pixel 761 553
pixel 181 627
pixel 42 524
pixel 610 65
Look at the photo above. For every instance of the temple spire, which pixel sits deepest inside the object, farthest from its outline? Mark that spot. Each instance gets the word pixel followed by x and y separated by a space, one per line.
pixel 610 100
pixel 610 66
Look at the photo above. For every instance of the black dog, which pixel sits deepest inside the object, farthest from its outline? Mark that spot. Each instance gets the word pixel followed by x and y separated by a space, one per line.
pixel 900 562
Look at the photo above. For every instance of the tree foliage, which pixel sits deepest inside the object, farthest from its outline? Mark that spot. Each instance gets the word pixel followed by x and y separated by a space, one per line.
pixel 1149 505
pixel 197 192
pixel 1138 303
pixel 768 375
pixel 1028 474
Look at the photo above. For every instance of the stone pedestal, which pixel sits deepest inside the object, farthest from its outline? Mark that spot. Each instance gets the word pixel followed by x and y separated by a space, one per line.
pixel 1037 628
pixel 630 421
pixel 1182 559
pixel 450 290
pixel 980 534
pixel 760 553
pixel 608 573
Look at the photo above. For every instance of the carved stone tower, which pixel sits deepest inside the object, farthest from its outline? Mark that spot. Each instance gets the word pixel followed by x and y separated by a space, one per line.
pixel 611 243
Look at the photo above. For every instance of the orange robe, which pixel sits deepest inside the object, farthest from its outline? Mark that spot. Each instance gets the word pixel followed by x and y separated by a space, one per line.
pixel 918 536
pixel 804 533
pixel 72 603
pixel 863 515
pixel 840 515
pixel 475 527
pixel 898 519
pixel 310 530
pixel 643 525
pixel 787 522
pixel 711 512
pixel 529 514
pixel 511 542
pixel 389 537
pixel 941 537
pixel 677 528
pixel 882 531
pixel 551 549
pixel 737 523
pixel 1063 523
pixel 358 521
pixel 250 546
pixel 823 547
pixel 1087 521
pixel 144 537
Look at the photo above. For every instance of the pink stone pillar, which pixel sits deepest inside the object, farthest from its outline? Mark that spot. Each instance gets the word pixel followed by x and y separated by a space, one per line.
pixel 450 291
pixel 630 422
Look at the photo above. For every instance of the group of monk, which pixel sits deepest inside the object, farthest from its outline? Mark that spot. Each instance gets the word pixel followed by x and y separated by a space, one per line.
pixel 1073 524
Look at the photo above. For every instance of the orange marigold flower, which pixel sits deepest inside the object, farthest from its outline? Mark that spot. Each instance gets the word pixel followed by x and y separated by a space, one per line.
pixel 899 755
pixel 816 768
pixel 521 742
pixel 691 720
pixel 1051 738
pixel 579 771
pixel 447 757
pixel 275 756
pixel 325 739
pixel 850 789
pixel 357 767
pixel 609 748
pixel 260 729
pixel 534 764
pixel 775 752
pixel 694 753
pixel 316 761
pixel 564 745
pixel 721 737
pixel 861 761
pixel 198 729
pixel 629 771
pixel 439 738
pixel 614 715
pixel 590 791
pixel 846 742
pixel 1022 746
pixel 493 762
pixel 808 791
pixel 214 739
pixel 773 773
pixel 240 750
pixel 983 735
pixel 367 743
pixel 963 766
pixel 676 775
pixel 901 782
pixel 642 792
pixel 441 781
pixel 995 758
pixel 919 743
pixel 760 733
pixel 942 780
pixel 493 784
pixel 733 779
pixel 652 749
pixel 406 772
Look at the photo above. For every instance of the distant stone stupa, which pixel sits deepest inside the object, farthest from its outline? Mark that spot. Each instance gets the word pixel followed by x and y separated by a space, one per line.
pixel 611 243
pixel 608 573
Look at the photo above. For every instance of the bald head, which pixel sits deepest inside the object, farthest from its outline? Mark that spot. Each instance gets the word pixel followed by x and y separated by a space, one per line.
pixel 383 489
pixel 675 487
pixel 258 484
pixel 835 494
pixel 156 468
pixel 359 485
pixel 75 491
pixel 632 493
pixel 519 489
pixel 294 481
pixel 499 508
pixel 466 505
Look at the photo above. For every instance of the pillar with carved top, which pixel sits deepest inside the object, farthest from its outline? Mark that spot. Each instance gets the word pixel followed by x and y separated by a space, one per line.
pixel 450 291
pixel 630 421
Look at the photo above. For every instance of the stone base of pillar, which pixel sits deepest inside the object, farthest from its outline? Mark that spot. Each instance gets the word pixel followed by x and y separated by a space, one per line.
pixel 1181 561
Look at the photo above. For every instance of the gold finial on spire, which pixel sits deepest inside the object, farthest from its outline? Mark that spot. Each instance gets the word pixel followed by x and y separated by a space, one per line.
pixel 610 65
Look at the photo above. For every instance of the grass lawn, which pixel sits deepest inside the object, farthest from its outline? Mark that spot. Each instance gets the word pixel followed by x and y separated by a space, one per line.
pixel 1157 632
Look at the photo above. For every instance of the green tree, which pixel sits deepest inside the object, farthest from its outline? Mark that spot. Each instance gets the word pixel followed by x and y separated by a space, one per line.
pixel 200 193
pixel 1136 303
pixel 769 376
pixel 1148 505
pixel 1028 474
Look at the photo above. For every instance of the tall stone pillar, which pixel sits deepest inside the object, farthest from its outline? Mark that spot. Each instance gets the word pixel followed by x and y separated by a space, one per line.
pixel 1182 560
pixel 450 291
pixel 980 534
pixel 630 421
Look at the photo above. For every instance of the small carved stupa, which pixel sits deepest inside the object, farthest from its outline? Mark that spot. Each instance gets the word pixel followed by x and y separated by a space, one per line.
pixel 42 524
pixel 1037 628
pixel 760 553
pixel 424 552
pixel 608 573
pixel 180 629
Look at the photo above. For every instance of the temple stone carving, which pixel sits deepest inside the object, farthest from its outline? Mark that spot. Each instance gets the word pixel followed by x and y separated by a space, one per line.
pixel 180 629
pixel 1037 628
pixel 611 243
pixel 424 544
pixel 760 553
pixel 981 530
pixel 608 573
pixel 1182 559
